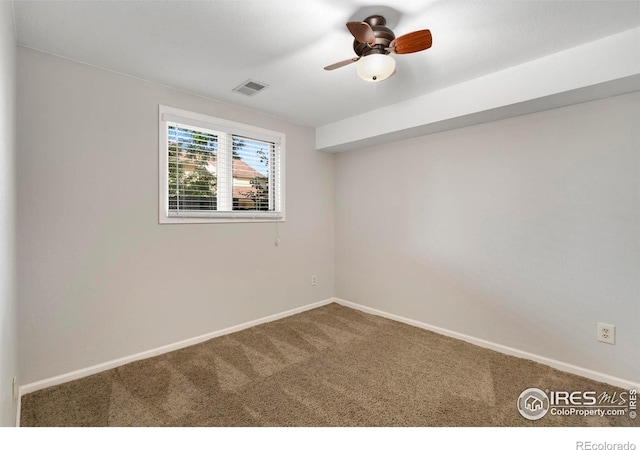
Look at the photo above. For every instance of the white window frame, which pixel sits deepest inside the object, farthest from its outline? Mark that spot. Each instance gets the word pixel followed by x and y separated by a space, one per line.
pixel 169 114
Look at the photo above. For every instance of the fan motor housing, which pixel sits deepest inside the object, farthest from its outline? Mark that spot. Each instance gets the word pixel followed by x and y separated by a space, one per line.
pixel 383 35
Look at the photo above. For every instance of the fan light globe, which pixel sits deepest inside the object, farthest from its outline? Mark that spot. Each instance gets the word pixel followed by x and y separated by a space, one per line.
pixel 376 67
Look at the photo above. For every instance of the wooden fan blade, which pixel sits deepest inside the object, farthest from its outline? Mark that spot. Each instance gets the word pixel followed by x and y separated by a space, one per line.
pixel 341 63
pixel 411 42
pixel 362 31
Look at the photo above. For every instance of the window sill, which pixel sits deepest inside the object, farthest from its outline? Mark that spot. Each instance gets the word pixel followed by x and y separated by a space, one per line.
pixel 244 218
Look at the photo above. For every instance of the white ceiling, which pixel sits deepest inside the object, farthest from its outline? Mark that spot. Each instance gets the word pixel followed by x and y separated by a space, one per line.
pixel 209 47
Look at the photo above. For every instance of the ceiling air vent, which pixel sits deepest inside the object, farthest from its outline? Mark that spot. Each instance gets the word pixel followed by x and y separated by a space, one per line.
pixel 250 87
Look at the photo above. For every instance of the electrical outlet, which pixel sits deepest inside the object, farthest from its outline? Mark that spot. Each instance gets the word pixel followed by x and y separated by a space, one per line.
pixel 606 333
pixel 314 280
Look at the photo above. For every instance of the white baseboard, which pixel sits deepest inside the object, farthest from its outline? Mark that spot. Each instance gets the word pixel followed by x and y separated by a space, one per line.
pixel 81 373
pixel 565 367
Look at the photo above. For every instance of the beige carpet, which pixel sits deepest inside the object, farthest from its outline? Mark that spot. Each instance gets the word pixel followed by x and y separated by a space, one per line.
pixel 331 366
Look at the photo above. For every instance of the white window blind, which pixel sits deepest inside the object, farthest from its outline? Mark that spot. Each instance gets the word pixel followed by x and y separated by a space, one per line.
pixel 193 159
pixel 216 170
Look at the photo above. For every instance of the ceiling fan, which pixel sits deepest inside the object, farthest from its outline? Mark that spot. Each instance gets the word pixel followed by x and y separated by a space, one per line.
pixel 374 42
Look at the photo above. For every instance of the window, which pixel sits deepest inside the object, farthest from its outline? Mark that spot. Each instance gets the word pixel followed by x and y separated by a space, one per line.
pixel 214 170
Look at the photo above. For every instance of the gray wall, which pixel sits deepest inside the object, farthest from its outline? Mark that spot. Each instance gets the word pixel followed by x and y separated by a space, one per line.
pixel 8 333
pixel 98 277
pixel 524 232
